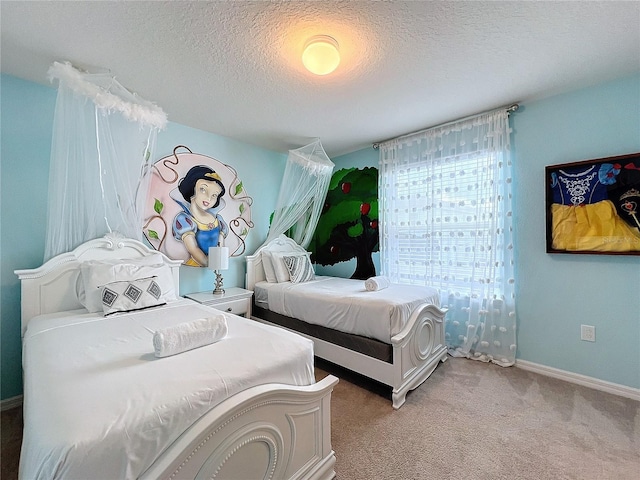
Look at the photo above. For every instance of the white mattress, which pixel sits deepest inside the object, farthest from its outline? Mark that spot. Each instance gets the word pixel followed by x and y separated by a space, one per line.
pixel 98 403
pixel 345 305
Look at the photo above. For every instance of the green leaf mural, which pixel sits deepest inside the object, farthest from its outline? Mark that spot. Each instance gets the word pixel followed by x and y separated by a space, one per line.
pixel 348 225
pixel 158 206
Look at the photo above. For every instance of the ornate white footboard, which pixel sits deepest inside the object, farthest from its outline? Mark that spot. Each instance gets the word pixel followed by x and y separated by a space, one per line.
pixel 265 432
pixel 417 350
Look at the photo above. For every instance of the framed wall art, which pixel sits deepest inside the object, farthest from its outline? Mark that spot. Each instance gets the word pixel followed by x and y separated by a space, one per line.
pixel 593 206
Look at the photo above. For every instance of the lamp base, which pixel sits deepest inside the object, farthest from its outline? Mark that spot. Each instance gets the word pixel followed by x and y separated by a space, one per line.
pixel 218 290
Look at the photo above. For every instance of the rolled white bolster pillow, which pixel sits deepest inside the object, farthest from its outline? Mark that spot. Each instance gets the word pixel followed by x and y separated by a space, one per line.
pixel 189 335
pixel 376 283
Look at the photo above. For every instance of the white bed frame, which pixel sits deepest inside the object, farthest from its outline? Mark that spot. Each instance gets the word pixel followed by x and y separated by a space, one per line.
pixel 270 431
pixel 417 349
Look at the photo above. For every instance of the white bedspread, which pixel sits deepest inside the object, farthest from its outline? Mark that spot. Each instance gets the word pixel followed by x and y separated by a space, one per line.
pixel 99 404
pixel 344 304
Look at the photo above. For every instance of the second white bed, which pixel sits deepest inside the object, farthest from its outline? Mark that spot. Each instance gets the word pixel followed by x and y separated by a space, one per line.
pixel 393 335
pixel 345 305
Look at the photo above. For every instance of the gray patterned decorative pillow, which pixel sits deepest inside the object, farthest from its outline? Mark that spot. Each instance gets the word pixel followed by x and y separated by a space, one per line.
pixel 97 273
pixel 127 296
pixel 300 268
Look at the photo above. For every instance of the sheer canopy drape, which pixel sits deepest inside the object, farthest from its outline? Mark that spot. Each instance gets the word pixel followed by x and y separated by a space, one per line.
pixel 302 193
pixel 103 140
pixel 446 221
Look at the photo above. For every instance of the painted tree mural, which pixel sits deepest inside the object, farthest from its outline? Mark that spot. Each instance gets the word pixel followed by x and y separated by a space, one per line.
pixel 348 226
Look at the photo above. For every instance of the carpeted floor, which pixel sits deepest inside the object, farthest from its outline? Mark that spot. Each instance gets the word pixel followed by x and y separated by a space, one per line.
pixel 10 440
pixel 472 420
pixel 469 421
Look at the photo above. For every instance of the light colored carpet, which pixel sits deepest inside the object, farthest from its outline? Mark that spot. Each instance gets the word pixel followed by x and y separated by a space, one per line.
pixel 473 420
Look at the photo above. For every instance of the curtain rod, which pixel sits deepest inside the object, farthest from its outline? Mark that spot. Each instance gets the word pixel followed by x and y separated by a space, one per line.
pixel 510 109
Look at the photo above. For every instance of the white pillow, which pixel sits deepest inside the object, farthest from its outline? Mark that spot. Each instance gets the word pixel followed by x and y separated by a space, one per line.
pixel 164 277
pixel 299 267
pixel 267 264
pixel 128 296
pixel 97 273
pixel 281 270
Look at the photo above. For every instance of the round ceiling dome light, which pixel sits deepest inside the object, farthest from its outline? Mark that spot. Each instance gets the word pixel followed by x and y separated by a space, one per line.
pixel 321 55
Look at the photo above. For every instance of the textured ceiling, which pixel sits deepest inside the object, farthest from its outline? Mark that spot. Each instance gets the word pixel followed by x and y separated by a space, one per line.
pixel 234 69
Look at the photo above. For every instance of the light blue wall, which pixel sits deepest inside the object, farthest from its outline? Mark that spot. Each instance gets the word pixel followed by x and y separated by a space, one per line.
pixel 26 126
pixel 557 293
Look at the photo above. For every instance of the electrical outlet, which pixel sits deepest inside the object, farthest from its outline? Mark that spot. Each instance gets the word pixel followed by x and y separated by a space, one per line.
pixel 588 333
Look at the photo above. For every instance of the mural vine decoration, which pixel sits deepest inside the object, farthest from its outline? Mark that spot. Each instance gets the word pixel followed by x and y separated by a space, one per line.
pixel 196 202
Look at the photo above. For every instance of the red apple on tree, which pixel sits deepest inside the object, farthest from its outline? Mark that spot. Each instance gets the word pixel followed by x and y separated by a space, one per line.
pixel 346 187
pixel 374 223
pixel 365 208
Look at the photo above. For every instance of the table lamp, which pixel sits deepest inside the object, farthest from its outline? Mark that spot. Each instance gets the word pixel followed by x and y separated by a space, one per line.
pixel 218 260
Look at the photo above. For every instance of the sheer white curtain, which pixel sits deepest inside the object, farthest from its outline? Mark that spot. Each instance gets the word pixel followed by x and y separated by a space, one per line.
pixel 302 193
pixel 103 140
pixel 446 221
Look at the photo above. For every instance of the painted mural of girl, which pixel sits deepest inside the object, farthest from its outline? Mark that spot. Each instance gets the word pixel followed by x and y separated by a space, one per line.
pixel 199 226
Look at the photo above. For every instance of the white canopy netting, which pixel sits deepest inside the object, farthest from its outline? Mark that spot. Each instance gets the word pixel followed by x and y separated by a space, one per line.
pixel 103 141
pixel 302 193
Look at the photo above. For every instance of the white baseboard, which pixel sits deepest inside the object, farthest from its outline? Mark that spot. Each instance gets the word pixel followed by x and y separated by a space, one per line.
pixel 614 388
pixel 12 402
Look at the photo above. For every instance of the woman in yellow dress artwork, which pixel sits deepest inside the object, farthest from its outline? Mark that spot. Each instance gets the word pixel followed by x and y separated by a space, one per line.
pixel 584 218
pixel 199 225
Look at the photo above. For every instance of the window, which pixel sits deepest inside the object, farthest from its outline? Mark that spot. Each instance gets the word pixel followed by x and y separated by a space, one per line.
pixel 445 219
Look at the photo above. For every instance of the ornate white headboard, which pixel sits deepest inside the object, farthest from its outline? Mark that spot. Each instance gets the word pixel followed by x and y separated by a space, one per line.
pixel 255 270
pixel 52 286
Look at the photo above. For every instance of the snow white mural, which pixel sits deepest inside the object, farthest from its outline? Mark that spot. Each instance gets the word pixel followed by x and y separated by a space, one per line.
pixel 196 202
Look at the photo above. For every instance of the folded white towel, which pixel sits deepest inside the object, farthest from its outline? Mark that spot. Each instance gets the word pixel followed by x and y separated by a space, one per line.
pixel 376 283
pixel 189 335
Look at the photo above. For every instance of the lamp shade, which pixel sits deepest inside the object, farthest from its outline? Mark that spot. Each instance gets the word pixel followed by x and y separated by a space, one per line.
pixel 218 258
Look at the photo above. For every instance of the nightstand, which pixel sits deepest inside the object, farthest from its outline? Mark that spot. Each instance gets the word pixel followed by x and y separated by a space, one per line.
pixel 234 300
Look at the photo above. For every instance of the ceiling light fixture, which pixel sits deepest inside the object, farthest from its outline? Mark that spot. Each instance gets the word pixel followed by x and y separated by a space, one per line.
pixel 321 55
